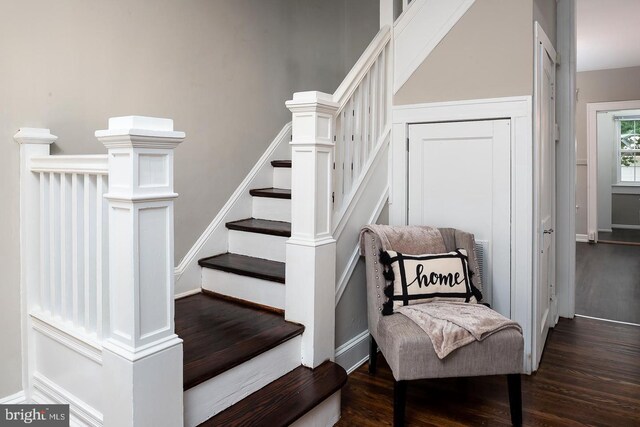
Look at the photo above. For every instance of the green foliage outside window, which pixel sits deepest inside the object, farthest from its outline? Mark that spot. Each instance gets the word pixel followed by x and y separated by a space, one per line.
pixel 629 140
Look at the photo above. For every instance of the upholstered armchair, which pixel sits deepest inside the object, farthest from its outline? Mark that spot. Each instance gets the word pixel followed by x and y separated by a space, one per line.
pixel 408 349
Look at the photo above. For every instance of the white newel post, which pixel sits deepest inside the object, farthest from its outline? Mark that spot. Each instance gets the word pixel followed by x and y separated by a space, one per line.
pixel 142 357
pixel 34 142
pixel 311 250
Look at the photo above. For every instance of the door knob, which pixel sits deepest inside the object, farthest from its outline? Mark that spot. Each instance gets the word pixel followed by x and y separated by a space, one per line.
pixel 549 231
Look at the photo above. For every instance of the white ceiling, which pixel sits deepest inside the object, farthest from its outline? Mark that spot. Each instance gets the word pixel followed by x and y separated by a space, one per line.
pixel 608 34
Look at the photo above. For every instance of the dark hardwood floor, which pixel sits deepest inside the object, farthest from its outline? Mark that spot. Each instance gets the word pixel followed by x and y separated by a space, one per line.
pixel 608 281
pixel 589 375
pixel 619 235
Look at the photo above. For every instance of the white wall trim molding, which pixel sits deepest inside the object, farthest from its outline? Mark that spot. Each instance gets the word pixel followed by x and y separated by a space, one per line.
pixel 593 108
pixel 214 238
pixel 84 345
pixel 626 226
pixel 582 238
pixel 352 354
pixel 46 391
pixel 14 399
pixel 519 111
pixel 355 255
pixel 426 21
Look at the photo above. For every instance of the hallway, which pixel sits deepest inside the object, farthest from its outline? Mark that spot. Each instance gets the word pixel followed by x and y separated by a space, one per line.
pixel 589 374
pixel 608 281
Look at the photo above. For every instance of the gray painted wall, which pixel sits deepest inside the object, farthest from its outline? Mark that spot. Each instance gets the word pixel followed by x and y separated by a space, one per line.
pixel 625 209
pixel 487 54
pixel 544 11
pixel 221 69
pixel 619 84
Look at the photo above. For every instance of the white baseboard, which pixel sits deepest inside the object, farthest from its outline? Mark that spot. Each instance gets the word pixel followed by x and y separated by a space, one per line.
pixel 352 354
pixel 626 226
pixel 188 293
pixel 604 230
pixel 14 399
pixel 583 238
pixel 606 320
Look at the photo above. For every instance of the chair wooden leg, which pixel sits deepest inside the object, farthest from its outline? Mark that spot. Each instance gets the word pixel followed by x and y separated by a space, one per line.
pixel 399 402
pixel 515 398
pixel 373 355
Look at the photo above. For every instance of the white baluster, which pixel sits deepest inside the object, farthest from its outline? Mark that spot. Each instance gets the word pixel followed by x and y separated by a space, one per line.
pixel 54 243
pixel 142 357
pixel 89 257
pixel 76 250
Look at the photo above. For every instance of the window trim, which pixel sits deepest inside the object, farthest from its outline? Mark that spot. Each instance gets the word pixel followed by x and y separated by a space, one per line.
pixel 619 120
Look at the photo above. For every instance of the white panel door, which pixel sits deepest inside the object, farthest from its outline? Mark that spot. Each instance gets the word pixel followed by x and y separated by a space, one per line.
pixel 545 304
pixel 460 177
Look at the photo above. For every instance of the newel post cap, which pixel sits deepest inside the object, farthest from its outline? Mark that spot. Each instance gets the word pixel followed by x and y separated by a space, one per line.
pixel 312 101
pixel 140 131
pixel 34 136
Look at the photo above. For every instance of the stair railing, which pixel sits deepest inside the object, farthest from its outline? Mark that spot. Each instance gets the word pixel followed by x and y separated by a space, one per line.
pixel 333 141
pixel 97 275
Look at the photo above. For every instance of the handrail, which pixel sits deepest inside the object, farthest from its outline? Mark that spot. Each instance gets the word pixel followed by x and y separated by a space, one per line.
pixel 360 69
pixel 83 164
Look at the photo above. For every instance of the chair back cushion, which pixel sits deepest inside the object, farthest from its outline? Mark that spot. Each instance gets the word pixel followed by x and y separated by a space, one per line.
pixel 415 279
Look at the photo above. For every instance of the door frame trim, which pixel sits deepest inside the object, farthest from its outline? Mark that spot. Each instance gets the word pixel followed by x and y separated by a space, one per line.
pixel 519 111
pixel 593 108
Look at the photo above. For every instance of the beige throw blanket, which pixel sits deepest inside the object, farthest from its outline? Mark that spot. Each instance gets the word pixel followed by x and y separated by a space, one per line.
pixel 406 239
pixel 451 325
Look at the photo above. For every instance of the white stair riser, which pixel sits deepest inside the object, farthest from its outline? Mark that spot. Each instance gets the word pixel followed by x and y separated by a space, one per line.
pixel 264 292
pixel 213 396
pixel 282 177
pixel 325 414
pixel 257 245
pixel 273 209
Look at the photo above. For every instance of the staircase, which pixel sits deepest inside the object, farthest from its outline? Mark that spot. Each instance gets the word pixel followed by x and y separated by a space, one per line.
pixel 241 357
pixel 250 341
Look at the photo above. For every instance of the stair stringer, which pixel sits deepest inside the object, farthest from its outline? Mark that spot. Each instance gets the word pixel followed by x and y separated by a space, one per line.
pixel 215 239
pixel 419 30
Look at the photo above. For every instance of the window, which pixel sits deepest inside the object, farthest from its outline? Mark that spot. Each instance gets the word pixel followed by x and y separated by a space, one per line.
pixel 629 150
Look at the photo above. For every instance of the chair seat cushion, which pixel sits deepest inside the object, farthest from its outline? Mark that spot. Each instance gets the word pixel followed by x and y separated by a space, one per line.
pixel 410 354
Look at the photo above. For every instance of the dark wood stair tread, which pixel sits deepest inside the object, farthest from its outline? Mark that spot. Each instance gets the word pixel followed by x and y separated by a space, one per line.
pixel 285 400
pixel 219 335
pixel 281 163
pixel 262 226
pixel 246 266
pixel 274 193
